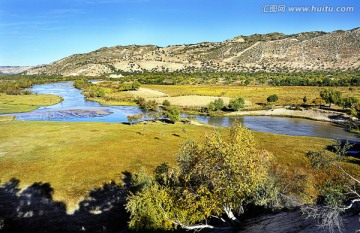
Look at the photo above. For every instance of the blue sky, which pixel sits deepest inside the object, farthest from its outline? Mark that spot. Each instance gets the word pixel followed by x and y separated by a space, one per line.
pixel 34 32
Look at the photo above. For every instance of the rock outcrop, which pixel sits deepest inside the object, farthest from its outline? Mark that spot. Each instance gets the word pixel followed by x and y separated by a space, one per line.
pixel 309 51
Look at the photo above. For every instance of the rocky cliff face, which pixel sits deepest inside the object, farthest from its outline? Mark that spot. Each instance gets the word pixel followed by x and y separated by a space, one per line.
pixel 309 51
pixel 13 69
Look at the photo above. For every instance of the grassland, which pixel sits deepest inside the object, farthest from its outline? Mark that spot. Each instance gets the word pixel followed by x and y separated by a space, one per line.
pixel 76 157
pixel 254 94
pixel 25 103
pixel 190 100
pixel 124 98
pixel 195 96
pixel 119 102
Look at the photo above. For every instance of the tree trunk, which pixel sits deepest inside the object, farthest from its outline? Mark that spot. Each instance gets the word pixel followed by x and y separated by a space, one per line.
pixel 231 215
pixel 194 227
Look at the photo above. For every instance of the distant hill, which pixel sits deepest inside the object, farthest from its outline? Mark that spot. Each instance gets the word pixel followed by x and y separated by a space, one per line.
pixel 308 51
pixel 13 69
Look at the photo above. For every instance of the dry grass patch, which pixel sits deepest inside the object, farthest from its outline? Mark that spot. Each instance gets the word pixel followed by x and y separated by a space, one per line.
pixel 191 101
pixel 254 94
pixel 125 98
pixel 147 93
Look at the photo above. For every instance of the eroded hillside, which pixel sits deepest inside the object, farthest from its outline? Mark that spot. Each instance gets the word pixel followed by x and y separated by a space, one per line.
pixel 272 52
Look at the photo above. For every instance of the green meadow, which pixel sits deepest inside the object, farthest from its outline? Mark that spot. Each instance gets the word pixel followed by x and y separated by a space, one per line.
pixel 25 103
pixel 77 157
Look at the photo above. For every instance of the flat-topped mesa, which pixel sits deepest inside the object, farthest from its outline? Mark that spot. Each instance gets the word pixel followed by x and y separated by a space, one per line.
pixel 272 52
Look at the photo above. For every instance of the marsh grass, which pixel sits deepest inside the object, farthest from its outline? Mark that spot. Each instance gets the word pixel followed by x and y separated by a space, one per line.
pixel 77 157
pixel 120 102
pixel 25 103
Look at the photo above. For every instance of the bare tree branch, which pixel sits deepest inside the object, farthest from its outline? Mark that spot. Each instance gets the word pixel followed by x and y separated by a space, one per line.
pixel 351 204
pixel 346 173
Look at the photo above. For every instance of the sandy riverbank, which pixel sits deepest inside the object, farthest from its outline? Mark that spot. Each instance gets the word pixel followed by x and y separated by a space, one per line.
pixel 314 114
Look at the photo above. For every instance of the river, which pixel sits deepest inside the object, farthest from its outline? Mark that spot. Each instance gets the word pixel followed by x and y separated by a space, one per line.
pixel 75 108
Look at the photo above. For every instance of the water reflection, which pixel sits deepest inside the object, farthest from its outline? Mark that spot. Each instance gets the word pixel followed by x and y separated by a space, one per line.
pixel 282 125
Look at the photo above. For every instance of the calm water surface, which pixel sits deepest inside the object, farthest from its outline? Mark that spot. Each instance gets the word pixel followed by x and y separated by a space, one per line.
pixel 75 108
pixel 284 125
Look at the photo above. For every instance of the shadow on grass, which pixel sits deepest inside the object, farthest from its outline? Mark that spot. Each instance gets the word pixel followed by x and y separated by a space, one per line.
pixel 34 210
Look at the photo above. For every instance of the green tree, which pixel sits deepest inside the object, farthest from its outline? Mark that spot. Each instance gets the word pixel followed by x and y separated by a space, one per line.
pixel 272 98
pixel 348 102
pixel 216 105
pixel 211 106
pixel 134 118
pixel 135 85
pixel 94 91
pixel 141 102
pixel 330 96
pixel 81 83
pixel 173 114
pixel 212 178
pixel 236 104
pixel 304 99
pixel 318 101
pixel 219 104
pixel 151 105
pixel 355 111
pixel 166 103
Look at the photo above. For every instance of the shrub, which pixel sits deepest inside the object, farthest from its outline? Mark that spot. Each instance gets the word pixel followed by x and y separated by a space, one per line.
pixel 305 99
pixel 348 102
pixel 141 102
pixel 95 91
pixel 26 92
pixel 81 83
pixel 134 86
pixel 173 114
pixel 211 106
pixel 272 98
pixel 134 118
pixel 212 178
pixel 216 105
pixel 166 103
pixel 330 96
pixel 236 104
pixel 219 104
